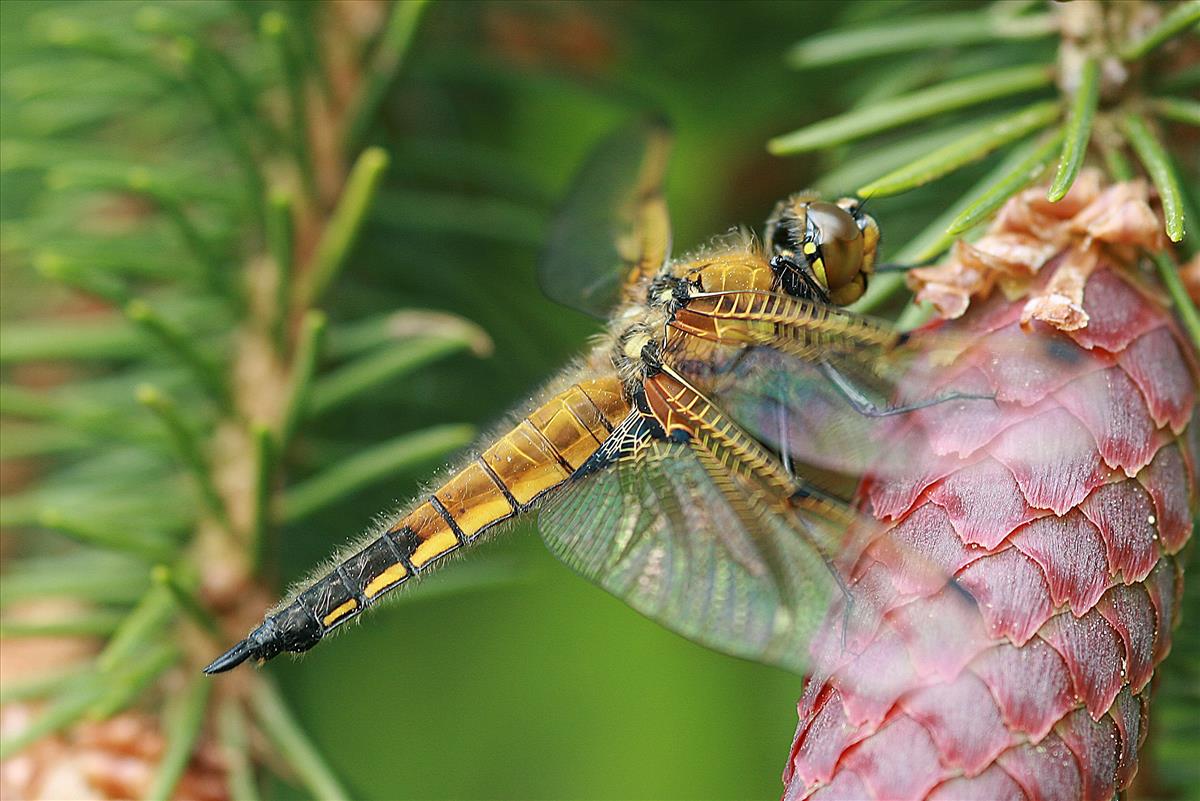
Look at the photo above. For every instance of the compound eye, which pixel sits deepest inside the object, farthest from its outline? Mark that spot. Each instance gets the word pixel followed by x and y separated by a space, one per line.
pixel 841 241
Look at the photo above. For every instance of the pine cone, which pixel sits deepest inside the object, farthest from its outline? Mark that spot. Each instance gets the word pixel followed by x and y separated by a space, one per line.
pixel 1059 508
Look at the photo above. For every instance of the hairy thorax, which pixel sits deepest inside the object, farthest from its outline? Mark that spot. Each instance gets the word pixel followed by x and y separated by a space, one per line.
pixel 655 326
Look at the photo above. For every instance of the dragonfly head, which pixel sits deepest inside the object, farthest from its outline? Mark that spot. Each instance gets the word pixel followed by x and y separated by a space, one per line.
pixel 822 248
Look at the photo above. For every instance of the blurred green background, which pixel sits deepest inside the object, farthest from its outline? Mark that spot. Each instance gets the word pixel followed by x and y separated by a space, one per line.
pixel 504 676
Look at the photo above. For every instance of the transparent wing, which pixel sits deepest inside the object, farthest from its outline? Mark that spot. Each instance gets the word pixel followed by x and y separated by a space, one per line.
pixel 662 528
pixel 824 387
pixel 613 227
pixel 796 408
pixel 890 413
pixel 793 408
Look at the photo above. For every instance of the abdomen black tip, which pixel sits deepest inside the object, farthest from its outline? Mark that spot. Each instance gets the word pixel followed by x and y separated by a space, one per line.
pixel 231 658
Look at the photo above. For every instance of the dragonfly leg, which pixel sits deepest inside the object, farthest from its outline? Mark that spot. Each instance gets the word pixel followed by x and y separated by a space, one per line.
pixel 785 451
pixel 798 281
pixel 869 408
pixel 895 267
pixel 810 496
pixel 847 598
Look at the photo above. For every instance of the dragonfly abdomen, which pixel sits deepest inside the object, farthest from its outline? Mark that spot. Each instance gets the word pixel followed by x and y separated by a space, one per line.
pixel 538 454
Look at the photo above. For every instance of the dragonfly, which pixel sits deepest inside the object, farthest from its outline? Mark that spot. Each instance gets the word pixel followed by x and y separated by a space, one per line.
pixel 677 463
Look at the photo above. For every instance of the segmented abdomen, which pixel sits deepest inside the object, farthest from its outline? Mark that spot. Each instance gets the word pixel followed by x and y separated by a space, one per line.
pixel 1059 511
pixel 537 455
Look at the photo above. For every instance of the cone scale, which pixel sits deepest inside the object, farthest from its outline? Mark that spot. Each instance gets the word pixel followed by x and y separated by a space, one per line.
pixel 1059 512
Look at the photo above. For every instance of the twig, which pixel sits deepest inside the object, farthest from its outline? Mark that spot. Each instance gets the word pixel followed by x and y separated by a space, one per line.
pixel 344 225
pixel 292 743
pixel 183 728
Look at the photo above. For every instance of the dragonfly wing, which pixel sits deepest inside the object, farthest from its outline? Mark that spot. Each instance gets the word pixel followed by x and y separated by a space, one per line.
pixel 691 521
pixel 672 529
pixel 829 388
pixel 613 227
pixel 793 407
pixel 657 528
pixel 798 407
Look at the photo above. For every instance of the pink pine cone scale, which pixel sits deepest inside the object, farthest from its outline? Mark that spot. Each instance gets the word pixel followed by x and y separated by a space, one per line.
pixel 1059 510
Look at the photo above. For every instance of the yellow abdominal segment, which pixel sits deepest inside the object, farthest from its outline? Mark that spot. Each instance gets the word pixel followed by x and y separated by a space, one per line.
pixel 339 613
pixel 541 452
pixel 387 578
pixel 538 454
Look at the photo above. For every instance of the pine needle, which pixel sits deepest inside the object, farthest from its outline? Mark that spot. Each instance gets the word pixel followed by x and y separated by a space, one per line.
pixel 371 465
pixel 1078 131
pixel 293 745
pixel 1180 18
pixel 963 151
pixel 1022 175
pixel 909 108
pixel 1162 173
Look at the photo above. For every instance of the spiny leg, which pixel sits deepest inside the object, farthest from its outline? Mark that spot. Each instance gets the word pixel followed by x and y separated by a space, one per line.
pixel 785 451
pixel 809 495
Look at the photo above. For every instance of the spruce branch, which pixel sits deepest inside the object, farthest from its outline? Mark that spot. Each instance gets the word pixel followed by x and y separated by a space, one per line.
pixel 189 55
pixel 1105 107
pixel 139 628
pixel 303 368
pixel 185 598
pixel 385 63
pixel 106 287
pixel 90 624
pixel 180 344
pixel 1168 273
pixel 221 192
pixel 840 46
pixel 347 221
pixel 124 686
pixel 1181 17
pixel 265 465
pixel 276 29
pixel 379 367
pixel 231 723
pixel 913 107
pixel 964 150
pixel 1177 109
pixel 1022 175
pixel 89 533
pixel 64 711
pixel 187 447
pixel 105 578
pixel 40 340
pixel 281 237
pixel 40 686
pixel 370 465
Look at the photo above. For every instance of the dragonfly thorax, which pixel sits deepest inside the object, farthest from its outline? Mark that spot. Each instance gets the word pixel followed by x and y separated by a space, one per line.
pixel 641 333
pixel 637 345
pixel 670 292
